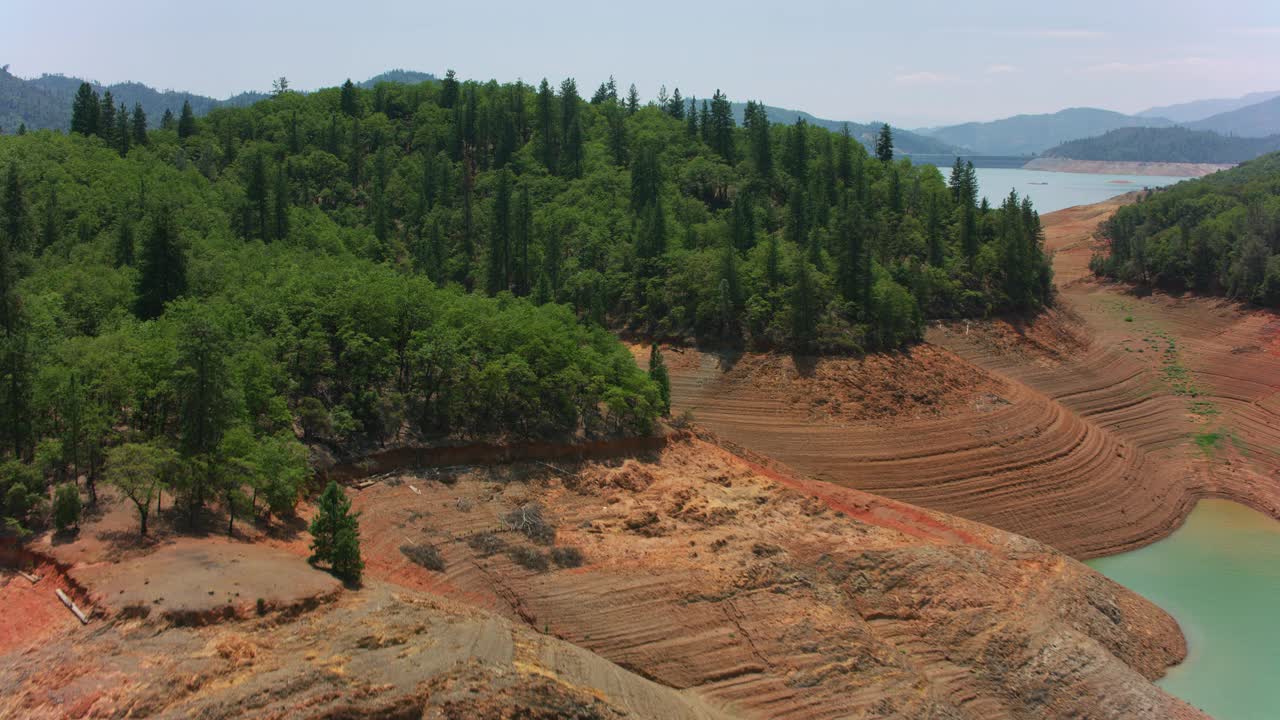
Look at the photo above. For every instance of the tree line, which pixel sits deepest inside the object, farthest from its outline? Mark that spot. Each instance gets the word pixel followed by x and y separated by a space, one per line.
pixel 362 266
pixel 1219 235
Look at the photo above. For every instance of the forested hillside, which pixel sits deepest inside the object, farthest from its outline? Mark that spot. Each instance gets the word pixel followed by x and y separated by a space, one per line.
pixel 1175 144
pixel 45 102
pixel 1032 134
pixel 1219 234
pixel 1257 120
pixel 356 267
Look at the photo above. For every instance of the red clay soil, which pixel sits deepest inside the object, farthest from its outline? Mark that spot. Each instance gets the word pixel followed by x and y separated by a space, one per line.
pixel 771 595
pixel 32 612
pixel 1078 428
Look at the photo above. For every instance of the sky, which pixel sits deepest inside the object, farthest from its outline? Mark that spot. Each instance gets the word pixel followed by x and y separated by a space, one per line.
pixel 911 63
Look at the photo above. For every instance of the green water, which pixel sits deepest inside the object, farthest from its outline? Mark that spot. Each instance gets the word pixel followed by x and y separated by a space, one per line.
pixel 1219 576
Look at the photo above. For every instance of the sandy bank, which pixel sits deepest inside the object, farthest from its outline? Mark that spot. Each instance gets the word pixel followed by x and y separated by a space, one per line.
pixel 1104 167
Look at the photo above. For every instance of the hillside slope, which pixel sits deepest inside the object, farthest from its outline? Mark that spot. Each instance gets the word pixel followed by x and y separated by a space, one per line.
pixel 1172 144
pixel 1200 109
pixel 1257 120
pixel 1030 134
pixel 904 141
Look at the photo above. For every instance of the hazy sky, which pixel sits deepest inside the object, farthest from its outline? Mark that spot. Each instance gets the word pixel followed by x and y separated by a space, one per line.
pixel 911 63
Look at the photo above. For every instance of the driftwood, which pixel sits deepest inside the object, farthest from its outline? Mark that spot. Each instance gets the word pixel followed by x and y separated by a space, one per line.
pixel 33 579
pixel 84 620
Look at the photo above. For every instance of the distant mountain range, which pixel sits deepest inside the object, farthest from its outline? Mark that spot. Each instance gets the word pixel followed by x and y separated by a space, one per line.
pixel 1033 134
pixel 1190 112
pixel 1165 145
pixel 904 141
pixel 1258 120
pixel 45 102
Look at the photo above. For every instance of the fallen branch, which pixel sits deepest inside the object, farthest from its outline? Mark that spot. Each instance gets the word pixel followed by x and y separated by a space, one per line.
pixel 32 578
pixel 84 620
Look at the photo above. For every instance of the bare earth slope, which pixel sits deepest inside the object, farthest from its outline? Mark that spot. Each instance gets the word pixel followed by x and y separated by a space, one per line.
pixel 1093 428
pixel 710 585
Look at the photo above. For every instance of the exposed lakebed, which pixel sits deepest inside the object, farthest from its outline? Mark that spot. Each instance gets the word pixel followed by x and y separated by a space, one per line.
pixel 1219 576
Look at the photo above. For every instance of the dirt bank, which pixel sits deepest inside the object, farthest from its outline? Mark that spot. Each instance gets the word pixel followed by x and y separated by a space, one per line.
pixel 1094 427
pixel 1109 167
pixel 766 594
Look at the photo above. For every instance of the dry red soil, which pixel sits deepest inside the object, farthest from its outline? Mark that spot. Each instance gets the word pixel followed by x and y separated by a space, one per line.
pixel 1093 427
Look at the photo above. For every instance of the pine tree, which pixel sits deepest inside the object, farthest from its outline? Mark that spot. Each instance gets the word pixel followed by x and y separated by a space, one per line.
pixel 449 90
pixel 844 156
pixel 166 121
pixel 884 144
pixel 255 191
pixel 757 121
pixel 162 271
pixel 772 262
pixel 107 119
pixel 124 135
pixel 348 100
pixel 742 222
pixel 84 111
pixel 658 374
pixel 617 119
pixel 335 535
pixel 691 120
pixel 722 124
pixel 796 155
pixel 500 237
pixel 546 126
pixel 523 238
pixel 804 308
pixel 123 250
pixel 187 121
pixel 633 100
pixel 797 217
pixel 571 138
pixel 675 105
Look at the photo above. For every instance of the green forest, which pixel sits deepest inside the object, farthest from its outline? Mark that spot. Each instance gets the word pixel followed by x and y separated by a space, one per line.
pixel 187 308
pixel 1175 144
pixel 1219 235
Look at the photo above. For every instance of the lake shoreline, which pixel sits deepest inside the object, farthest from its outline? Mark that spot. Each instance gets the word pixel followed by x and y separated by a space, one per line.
pixel 1109 167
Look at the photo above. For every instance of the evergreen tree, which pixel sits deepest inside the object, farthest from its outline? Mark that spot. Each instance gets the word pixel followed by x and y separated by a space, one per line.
pixel 742 222
pixel 124 135
pixel 633 100
pixel 187 121
pixel 84 111
pixel 256 195
pixel 691 120
pixel 757 121
pixel 167 121
pixel 546 126
pixel 884 144
pixel 844 156
pixel 449 90
pixel 796 156
pixel 335 535
pixel 523 237
pixel 500 237
pixel 66 507
pixel 722 124
pixel 107 119
pixel 123 251
pixel 804 307
pixel 772 262
pixel 616 117
pixel 675 105
pixel 571 139
pixel 798 217
pixel 162 272
pixel 204 391
pixel 349 100
pixel 659 375
pixel 850 269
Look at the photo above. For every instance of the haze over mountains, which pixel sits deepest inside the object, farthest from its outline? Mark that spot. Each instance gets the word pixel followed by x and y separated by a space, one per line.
pixel 1190 112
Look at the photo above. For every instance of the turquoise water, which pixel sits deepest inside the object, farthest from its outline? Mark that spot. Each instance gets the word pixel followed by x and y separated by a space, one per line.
pixel 1219 576
pixel 1060 189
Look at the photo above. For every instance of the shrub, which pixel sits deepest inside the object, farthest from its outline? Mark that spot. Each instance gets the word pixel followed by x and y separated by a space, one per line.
pixel 486 543
pixel 66 506
pixel 566 557
pixel 425 555
pixel 530 520
pixel 529 557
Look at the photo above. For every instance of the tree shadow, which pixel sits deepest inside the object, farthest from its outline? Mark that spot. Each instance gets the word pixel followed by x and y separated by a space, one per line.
pixel 806 365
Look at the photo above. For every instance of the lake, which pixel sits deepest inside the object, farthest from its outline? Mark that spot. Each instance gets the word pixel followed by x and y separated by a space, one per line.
pixel 1059 189
pixel 1219 576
